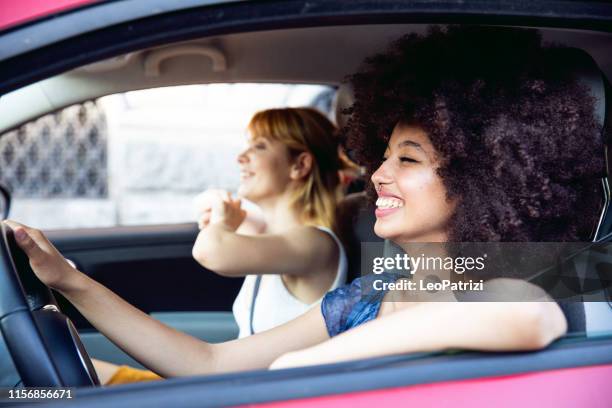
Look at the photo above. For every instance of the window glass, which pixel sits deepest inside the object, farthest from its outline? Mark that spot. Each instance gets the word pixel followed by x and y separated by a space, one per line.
pixel 139 157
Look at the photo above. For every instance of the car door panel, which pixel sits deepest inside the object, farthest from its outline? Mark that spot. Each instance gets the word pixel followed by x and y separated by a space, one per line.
pixel 587 361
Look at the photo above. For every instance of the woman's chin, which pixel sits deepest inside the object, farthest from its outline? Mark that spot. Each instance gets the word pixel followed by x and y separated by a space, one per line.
pixel 385 230
pixel 243 192
pixel 249 195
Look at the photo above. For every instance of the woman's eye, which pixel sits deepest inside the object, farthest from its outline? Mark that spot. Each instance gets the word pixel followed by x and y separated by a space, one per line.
pixel 260 146
pixel 405 159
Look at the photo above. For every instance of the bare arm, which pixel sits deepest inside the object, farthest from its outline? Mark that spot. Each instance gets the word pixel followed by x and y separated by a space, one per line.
pixel 298 251
pixel 491 326
pixel 171 353
pixel 221 248
pixel 482 326
pixel 160 348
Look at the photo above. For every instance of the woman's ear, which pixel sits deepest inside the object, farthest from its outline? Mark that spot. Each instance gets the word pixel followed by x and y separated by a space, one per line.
pixel 302 165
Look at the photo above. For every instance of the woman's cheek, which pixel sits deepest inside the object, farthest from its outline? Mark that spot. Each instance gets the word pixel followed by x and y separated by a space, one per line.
pixel 423 195
pixel 414 184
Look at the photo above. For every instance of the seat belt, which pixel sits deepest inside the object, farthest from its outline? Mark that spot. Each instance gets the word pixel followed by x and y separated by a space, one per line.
pixel 255 293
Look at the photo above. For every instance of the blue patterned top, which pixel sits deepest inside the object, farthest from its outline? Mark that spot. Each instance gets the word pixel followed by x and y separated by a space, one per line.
pixel 347 306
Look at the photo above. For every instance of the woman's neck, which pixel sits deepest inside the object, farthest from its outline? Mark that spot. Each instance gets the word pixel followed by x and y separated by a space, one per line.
pixel 428 250
pixel 438 235
pixel 432 254
pixel 279 214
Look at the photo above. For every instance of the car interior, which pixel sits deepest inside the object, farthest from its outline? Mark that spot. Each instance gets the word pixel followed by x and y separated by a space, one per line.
pixel 152 266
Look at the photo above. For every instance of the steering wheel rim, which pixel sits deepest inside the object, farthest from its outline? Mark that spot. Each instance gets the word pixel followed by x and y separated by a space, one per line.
pixel 45 347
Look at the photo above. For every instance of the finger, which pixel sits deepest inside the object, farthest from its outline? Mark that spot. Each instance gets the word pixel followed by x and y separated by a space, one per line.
pixel 219 207
pixel 13 224
pixel 208 198
pixel 29 245
pixel 36 235
pixel 219 195
pixel 217 211
pixel 204 213
pixel 33 233
pixel 204 220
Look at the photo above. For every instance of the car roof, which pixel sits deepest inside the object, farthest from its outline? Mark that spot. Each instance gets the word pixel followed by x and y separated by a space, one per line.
pixel 326 56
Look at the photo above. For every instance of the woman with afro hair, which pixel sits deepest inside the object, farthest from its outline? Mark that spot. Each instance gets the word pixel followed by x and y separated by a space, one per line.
pixel 469 136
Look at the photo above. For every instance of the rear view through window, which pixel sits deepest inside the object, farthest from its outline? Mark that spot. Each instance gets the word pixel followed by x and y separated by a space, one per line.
pixel 139 157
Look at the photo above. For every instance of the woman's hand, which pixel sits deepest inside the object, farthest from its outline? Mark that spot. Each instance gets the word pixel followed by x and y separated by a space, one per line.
pixel 204 219
pixel 46 261
pixel 228 213
pixel 205 202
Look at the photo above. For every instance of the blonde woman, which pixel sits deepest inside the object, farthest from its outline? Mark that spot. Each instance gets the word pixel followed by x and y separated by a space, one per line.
pixel 290 170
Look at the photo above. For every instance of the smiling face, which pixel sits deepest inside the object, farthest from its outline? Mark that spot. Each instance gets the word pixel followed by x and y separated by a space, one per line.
pixel 411 204
pixel 264 169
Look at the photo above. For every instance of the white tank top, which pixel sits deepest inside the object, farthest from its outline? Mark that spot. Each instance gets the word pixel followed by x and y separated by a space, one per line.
pixel 274 304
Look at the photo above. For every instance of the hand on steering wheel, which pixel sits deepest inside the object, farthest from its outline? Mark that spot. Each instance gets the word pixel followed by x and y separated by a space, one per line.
pixel 44 345
pixel 46 261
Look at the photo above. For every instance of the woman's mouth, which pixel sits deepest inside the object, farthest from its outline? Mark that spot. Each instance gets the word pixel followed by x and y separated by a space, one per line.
pixel 386 205
pixel 244 175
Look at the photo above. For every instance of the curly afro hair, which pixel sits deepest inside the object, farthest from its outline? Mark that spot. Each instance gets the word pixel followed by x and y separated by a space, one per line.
pixel 521 151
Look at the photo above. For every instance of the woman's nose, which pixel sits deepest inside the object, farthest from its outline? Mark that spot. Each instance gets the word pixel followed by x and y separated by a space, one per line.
pixel 242 157
pixel 381 176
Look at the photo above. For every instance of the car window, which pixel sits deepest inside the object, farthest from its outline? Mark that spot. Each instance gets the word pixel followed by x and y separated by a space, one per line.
pixel 139 157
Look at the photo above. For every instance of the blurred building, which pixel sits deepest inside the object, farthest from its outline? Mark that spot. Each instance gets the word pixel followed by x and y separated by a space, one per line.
pixel 136 158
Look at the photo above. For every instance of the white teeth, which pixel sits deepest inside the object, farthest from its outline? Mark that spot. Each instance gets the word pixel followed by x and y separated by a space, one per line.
pixel 389 202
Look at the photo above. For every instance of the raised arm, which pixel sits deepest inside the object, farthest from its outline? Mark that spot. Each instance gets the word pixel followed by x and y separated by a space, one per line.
pixel 158 347
pixel 299 250
pixel 252 224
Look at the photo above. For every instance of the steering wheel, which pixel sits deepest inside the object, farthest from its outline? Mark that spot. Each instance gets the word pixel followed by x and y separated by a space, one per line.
pixel 45 346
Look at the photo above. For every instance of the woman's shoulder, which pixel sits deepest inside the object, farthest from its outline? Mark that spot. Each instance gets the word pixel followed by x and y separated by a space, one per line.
pixel 349 306
pixel 338 304
pixel 311 230
pixel 306 231
pixel 314 239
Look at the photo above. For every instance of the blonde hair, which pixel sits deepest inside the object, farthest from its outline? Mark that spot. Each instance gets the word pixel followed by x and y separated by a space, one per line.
pixel 307 130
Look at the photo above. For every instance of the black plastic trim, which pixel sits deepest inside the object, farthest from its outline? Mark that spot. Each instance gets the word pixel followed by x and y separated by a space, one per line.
pixel 64 349
pixel 123 236
pixel 25 344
